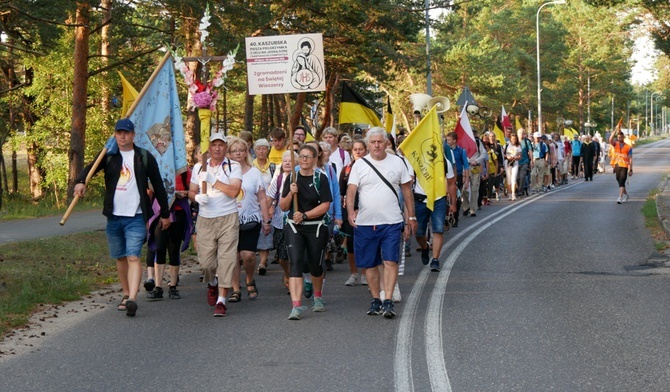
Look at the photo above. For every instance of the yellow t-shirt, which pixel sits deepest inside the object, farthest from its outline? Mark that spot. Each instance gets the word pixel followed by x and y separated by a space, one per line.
pixel 275 156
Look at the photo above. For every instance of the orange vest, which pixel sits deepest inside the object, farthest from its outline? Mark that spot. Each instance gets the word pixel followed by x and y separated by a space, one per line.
pixel 620 155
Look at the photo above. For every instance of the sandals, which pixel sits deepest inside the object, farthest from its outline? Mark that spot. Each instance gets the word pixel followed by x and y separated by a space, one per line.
pixel 262 269
pixel 122 305
pixel 131 308
pixel 235 296
pixel 252 293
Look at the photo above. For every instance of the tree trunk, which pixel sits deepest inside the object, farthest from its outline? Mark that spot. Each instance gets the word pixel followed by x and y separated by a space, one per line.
pixel 264 116
pixel 249 112
pixel 79 90
pixel 277 110
pixel 333 81
pixel 15 170
pixel 271 112
pixel 105 51
pixel 192 124
pixel 3 176
pixel 296 110
pixel 34 172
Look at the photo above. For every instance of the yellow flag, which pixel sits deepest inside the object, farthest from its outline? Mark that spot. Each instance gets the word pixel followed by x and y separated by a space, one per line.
pixel 129 95
pixel 423 150
pixel 499 134
pixel 517 123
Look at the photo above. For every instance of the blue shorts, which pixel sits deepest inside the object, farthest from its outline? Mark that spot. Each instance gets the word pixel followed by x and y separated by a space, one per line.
pixel 375 244
pixel 125 235
pixel 436 216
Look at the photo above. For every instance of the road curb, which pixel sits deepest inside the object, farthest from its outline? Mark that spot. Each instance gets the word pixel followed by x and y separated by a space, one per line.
pixel 663 206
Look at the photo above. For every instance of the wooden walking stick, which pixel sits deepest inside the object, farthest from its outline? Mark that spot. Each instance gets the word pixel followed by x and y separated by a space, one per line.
pixel 290 145
pixel 70 208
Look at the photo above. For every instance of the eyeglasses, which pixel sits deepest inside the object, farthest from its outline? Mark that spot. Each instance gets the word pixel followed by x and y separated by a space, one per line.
pixel 237 151
pixel 305 157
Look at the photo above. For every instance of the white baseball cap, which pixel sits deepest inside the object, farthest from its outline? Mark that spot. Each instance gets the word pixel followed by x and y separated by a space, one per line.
pixel 218 136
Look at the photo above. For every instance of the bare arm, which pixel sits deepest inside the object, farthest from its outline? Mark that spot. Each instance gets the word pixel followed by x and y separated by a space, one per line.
pixel 351 194
pixel 230 190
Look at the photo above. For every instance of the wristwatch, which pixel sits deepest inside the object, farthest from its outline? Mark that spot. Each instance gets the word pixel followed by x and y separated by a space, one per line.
pixel 412 218
pixel 304 216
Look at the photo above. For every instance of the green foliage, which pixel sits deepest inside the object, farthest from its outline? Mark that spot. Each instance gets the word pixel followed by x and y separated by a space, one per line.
pixel 378 46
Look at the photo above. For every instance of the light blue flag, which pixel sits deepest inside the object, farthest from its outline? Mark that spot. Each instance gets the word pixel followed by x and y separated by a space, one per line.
pixel 158 125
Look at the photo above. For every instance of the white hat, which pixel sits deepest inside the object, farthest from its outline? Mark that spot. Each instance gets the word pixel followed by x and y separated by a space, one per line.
pixel 537 134
pixel 218 136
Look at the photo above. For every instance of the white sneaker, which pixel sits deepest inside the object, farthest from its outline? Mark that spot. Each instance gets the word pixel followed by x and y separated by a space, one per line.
pixel 382 295
pixel 618 201
pixel 364 280
pixel 625 198
pixel 396 294
pixel 352 281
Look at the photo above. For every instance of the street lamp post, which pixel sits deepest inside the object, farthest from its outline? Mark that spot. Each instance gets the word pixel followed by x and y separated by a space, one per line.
pixel 539 82
pixel 651 104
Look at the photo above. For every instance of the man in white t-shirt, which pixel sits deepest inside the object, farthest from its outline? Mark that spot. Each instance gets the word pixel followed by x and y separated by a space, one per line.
pixel 378 223
pixel 127 206
pixel 215 188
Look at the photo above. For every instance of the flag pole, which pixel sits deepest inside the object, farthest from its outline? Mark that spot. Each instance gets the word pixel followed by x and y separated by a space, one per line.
pixel 153 76
pixel 104 150
pixel 287 98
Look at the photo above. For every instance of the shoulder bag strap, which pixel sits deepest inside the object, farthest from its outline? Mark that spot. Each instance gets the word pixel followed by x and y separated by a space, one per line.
pixel 383 179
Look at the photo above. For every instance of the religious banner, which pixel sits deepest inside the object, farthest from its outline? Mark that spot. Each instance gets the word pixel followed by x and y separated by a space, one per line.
pixel 285 64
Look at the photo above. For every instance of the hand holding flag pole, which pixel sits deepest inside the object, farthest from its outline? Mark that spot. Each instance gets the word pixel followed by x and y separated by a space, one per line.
pixel 70 208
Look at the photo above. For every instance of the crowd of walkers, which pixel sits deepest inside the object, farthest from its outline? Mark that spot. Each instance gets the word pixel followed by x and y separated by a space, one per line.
pixel 352 197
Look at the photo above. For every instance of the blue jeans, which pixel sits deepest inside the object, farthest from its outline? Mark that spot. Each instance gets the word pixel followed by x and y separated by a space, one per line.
pixel 437 216
pixel 125 235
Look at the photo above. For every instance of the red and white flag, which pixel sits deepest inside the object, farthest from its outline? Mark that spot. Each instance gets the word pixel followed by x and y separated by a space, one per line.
pixel 466 139
pixel 506 123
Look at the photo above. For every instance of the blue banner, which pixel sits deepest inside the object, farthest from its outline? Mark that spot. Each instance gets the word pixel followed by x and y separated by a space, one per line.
pixel 159 128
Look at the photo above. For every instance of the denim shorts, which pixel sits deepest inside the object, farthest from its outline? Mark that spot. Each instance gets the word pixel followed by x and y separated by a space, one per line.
pixel 375 244
pixel 125 235
pixel 436 216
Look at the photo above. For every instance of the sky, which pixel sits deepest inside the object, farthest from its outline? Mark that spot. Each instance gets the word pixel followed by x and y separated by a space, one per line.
pixel 644 56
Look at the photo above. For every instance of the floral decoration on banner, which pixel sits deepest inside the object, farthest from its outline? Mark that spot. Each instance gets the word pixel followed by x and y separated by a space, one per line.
pixel 204 95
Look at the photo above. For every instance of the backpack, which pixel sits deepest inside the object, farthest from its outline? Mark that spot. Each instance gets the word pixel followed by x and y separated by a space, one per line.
pixel 316 180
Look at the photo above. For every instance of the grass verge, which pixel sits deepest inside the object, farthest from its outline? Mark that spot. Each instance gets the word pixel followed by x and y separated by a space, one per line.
pixel 50 271
pixel 652 223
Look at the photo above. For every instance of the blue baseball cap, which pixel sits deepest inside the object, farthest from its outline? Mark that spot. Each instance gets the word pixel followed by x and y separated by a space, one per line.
pixel 124 124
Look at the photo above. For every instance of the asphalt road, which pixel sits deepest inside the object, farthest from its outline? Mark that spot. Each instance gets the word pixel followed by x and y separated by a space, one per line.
pixel 545 293
pixel 33 229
